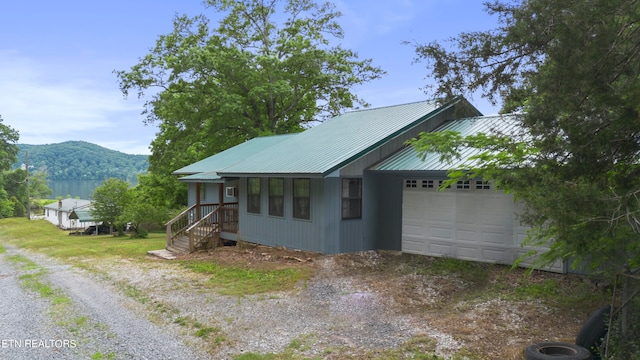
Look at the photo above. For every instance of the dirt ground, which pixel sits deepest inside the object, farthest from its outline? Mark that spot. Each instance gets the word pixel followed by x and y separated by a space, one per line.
pixel 478 307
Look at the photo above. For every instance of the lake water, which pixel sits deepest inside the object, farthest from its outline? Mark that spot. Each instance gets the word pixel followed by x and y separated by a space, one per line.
pixel 82 189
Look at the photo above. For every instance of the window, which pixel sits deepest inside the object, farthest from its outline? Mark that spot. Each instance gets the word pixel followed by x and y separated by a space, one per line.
pixel 253 195
pixel 427 184
pixel 301 199
pixel 203 192
pixel 351 198
pixel 410 183
pixel 276 196
pixel 482 185
pixel 463 184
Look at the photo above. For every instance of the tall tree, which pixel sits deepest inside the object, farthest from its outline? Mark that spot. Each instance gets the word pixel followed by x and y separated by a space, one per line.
pixel 573 68
pixel 268 67
pixel 8 148
pixel 110 200
pixel 15 184
pixel 39 186
pixel 8 152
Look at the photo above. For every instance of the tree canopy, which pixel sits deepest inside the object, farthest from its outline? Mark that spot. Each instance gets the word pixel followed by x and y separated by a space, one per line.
pixel 8 149
pixel 268 67
pixel 80 160
pixel 8 152
pixel 572 67
pixel 110 200
pixel 15 185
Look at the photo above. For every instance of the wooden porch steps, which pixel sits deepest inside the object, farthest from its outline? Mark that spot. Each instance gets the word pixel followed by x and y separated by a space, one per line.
pixel 180 245
pixel 203 231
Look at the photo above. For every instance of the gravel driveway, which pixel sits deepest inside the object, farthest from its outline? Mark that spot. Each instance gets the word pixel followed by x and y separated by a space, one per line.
pixel 97 322
pixel 327 313
pixel 353 306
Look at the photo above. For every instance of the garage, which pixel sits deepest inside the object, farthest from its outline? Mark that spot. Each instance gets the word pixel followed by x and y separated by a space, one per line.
pixel 468 221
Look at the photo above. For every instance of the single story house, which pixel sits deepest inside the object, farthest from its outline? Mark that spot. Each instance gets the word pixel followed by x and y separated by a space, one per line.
pixel 60 213
pixel 349 184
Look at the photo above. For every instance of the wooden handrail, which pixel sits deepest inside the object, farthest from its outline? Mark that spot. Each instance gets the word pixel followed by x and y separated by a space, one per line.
pixel 170 222
pixel 185 222
pixel 181 221
pixel 203 220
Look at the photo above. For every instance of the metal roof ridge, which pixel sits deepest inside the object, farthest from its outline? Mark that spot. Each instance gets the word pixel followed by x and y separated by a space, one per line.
pixel 442 107
pixel 435 107
pixel 391 106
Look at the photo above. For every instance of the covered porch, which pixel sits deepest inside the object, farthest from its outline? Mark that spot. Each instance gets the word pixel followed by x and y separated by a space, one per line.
pixel 203 225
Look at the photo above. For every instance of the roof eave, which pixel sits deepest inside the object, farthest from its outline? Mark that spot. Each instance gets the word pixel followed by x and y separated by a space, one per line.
pixel 433 113
pixel 273 174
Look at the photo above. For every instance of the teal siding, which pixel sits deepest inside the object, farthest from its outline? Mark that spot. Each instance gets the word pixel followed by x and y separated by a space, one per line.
pixel 211 192
pixel 382 207
pixel 325 232
pixel 332 213
pixel 282 231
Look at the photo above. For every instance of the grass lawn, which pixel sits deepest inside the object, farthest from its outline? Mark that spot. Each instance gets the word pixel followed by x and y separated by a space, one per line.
pixel 44 237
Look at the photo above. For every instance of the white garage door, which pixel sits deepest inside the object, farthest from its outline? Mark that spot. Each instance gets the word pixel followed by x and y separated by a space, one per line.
pixel 470 221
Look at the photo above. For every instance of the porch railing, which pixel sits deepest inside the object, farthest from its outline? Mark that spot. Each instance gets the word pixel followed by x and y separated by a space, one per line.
pixel 198 223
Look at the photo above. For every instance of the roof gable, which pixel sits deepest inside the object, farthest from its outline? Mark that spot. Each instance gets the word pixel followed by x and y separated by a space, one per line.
pixel 408 159
pixel 334 143
pixel 82 215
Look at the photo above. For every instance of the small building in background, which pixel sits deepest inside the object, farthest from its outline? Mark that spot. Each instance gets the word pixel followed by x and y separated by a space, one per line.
pixel 60 213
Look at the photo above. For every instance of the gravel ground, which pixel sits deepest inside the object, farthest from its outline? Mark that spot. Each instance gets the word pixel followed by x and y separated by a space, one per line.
pixel 97 321
pixel 349 309
pixel 329 313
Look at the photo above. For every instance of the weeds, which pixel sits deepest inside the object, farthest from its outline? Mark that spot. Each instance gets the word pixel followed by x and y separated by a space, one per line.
pixel 420 347
pixel 33 280
pixel 547 289
pixel 134 293
pixel 215 335
pixel 23 262
pixel 236 281
pixel 100 356
pixel 471 272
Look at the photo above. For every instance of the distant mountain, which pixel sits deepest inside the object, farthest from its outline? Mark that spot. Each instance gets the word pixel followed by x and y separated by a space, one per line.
pixel 80 160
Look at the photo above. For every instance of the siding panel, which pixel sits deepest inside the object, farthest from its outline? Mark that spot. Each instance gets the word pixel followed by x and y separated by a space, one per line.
pixel 282 231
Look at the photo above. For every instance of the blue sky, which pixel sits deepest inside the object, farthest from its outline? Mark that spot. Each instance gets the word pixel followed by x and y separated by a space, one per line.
pixel 57 59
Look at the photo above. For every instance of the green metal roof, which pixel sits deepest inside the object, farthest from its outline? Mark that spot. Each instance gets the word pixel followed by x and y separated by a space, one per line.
pixel 82 215
pixel 407 159
pixel 208 167
pixel 206 176
pixel 336 142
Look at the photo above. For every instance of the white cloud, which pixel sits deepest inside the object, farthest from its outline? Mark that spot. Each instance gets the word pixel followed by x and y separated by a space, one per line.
pixel 49 103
